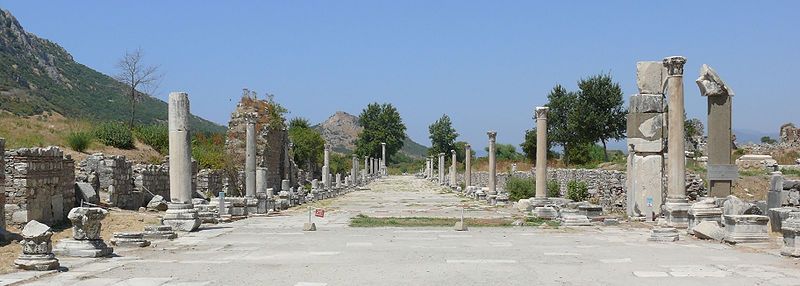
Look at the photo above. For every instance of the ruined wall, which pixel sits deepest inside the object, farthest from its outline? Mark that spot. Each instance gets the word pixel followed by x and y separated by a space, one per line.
pixel 210 182
pixel 2 185
pixel 151 180
pixel 790 135
pixel 113 170
pixel 39 185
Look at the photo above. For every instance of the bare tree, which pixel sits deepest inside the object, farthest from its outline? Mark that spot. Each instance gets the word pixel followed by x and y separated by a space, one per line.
pixel 139 78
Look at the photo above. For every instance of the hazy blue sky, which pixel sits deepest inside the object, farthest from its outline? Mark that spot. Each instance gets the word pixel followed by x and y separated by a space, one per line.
pixel 487 64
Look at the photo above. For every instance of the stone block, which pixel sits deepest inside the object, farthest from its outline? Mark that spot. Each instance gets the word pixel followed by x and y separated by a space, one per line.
pixel 778 215
pixel 575 220
pixel 709 230
pixel 646 126
pixel 734 206
pixel 791 236
pixel 545 212
pixel 746 228
pixel 460 226
pixel 704 210
pixel 664 234
pixel 647 146
pixel 647 103
pixel 650 76
pixel 309 226
pixel 129 239
pixel 645 191
pixel 86 193
pixel 590 211
pixel 83 248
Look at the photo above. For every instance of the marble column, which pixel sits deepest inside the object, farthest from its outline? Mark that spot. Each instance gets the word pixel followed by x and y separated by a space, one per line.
pixel 676 207
pixel 250 160
pixel 326 166
pixel 541 157
pixel 180 214
pixel 383 158
pixel 366 166
pixel 441 168
pixel 721 169
pixel 492 164
pixel 354 170
pixel 467 165
pixel 453 169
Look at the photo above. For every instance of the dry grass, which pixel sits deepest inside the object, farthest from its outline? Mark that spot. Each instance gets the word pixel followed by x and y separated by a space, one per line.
pixel 751 187
pixel 116 221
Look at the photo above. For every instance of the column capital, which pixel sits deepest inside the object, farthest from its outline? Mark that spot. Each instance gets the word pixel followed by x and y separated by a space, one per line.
pixel 711 84
pixel 466 145
pixel 441 154
pixel 492 135
pixel 452 151
pixel 383 143
pixel 674 65
pixel 541 112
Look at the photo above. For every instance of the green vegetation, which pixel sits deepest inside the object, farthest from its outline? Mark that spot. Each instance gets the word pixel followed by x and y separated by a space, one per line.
pixel 577 191
pixel 79 141
pixel 114 134
pixel 403 164
pixel 519 188
pixel 506 152
pixel 790 172
pixel 443 137
pixel 154 135
pixel 209 151
pixel 529 146
pixel 309 146
pixel 382 124
pixel 362 220
pixel 536 221
pixel 768 140
pixel 340 164
pixel 553 189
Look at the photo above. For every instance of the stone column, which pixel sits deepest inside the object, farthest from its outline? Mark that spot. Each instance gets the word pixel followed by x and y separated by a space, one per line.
pixel 441 168
pixel 453 183
pixel 467 165
pixel 366 167
pixel 261 180
pixel 354 170
pixel 326 167
pixel 383 158
pixel 181 214
pixel 676 207
pixel 492 164
pixel 720 168
pixel 250 160
pixel 541 157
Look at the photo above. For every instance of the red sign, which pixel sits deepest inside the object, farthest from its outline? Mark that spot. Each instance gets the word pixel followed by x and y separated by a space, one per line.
pixel 319 213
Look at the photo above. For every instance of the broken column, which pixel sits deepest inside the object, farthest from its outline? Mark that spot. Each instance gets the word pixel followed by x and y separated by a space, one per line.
pixel 467 165
pixel 791 235
pixel 250 167
pixel 453 169
pixel 353 171
pixel 366 168
pixel 86 240
pixel 261 190
pixel 441 168
pixel 492 194
pixel 383 158
pixel 326 167
pixel 540 200
pixel 37 248
pixel 721 171
pixel 677 207
pixel 181 214
pixel 645 132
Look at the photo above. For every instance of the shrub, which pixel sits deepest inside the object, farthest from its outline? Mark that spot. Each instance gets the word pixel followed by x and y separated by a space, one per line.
pixel 209 151
pixel 553 189
pixel 155 135
pixel 114 134
pixel 519 188
pixel 79 141
pixel 577 191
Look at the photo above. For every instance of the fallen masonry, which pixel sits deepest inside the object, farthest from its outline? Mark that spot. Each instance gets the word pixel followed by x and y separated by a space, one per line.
pixel 86 240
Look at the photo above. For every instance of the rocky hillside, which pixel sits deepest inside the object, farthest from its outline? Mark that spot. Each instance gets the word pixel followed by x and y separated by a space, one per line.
pixel 342 129
pixel 39 76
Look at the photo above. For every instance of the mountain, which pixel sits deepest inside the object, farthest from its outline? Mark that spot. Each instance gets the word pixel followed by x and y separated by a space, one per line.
pixel 342 129
pixel 38 76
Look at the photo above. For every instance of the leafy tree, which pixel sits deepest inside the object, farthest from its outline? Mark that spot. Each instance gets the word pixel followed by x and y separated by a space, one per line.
pixel 308 145
pixel 276 113
pixel 506 152
pixel 340 164
pixel 529 146
pixel 461 151
pixel 382 124
pixel 768 140
pixel 560 129
pixel 600 115
pixel 443 136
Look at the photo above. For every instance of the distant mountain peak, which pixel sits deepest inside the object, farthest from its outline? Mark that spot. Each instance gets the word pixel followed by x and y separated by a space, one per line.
pixel 341 131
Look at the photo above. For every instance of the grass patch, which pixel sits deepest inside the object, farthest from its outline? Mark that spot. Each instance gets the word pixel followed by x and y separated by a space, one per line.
pixel 362 220
pixel 752 173
pixel 790 172
pixel 535 221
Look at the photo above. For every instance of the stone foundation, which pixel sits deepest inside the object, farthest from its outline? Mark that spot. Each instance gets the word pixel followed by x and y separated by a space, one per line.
pixel 39 185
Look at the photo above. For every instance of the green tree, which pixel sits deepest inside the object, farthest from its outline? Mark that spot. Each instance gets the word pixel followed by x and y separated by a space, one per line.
pixel 529 146
pixel 506 152
pixel 600 114
pixel 560 129
pixel 308 144
pixel 340 164
pixel 768 140
pixel 382 124
pixel 461 151
pixel 443 137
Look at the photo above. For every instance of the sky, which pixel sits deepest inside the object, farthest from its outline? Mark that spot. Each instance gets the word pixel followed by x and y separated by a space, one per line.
pixel 486 64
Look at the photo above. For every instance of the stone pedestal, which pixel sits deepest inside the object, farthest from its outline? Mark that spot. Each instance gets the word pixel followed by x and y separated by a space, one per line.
pixel 460 226
pixel 36 248
pixel 590 211
pixel 778 215
pixel 86 240
pixel 746 228
pixel 181 217
pixel 791 236
pixel 575 220
pixel 309 226
pixel 676 213
pixel 704 210
pixel 545 212
pixel 156 232
pixel 664 234
pixel 539 202
pixel 129 239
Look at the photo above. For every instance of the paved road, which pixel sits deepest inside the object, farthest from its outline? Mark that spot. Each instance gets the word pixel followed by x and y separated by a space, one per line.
pixel 273 251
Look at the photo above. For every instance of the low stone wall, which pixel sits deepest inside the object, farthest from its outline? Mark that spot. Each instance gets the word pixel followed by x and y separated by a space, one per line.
pixel 210 182
pixel 39 186
pixel 151 180
pixel 112 170
pixel 608 187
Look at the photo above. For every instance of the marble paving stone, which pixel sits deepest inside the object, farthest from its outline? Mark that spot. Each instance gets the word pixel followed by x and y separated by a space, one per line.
pixel 482 261
pixel 650 274
pixel 143 281
pixel 616 260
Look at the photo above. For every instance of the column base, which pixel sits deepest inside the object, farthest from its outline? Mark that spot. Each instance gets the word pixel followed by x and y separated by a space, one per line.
pixel 545 212
pixel 539 202
pixel 38 262
pixel 664 234
pixel 181 217
pixel 82 248
pixel 677 213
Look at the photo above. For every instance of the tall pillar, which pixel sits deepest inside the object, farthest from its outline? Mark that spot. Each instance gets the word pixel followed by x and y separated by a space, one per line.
pixel 383 158
pixel 326 166
pixel 181 214
pixel 492 164
pixel 430 167
pixel 441 168
pixel 453 183
pixel 467 165
pixel 721 171
pixel 250 159
pixel 541 156
pixel 366 165
pixel 676 207
pixel 354 170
